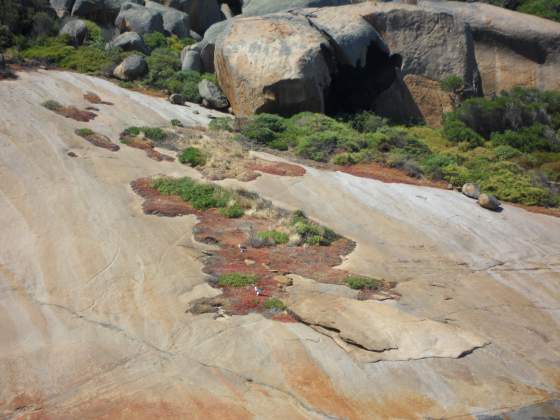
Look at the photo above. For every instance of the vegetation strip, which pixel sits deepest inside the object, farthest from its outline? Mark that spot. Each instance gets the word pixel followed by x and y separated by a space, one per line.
pixel 255 251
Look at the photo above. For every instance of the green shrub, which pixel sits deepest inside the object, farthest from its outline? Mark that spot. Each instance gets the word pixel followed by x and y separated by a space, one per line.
pixel 345 159
pixel 528 139
pixel 233 211
pixel 363 283
pixel 549 9
pixel 275 236
pixel 95 35
pixel 154 133
pixel 155 40
pixel 84 132
pixel 192 156
pixel 273 122
pixel 259 134
pixel 506 152
pixel 200 196
pixel 318 146
pixel 52 105
pixel 221 124
pixel 434 164
pixel 44 25
pixel 132 131
pixel 50 49
pixel 236 280
pixel 176 123
pixel 310 232
pixel 452 83
pixel 457 131
pixel 366 121
pixel 274 304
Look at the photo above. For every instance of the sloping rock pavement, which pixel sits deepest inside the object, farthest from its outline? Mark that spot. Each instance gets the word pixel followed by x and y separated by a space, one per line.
pixel 93 292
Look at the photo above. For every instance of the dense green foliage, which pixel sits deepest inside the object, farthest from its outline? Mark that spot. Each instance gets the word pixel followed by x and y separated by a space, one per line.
pixel 363 283
pixel 310 232
pixel 274 236
pixel 192 156
pixel 236 280
pixel 452 83
pixel 509 144
pixel 201 196
pixel 232 211
pixel 84 132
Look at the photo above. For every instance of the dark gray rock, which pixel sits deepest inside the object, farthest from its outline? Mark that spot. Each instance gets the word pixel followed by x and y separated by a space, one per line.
pixel 77 30
pixel 174 21
pixel 62 7
pixel 489 202
pixel 191 61
pixel 204 13
pixel 177 99
pixel 208 44
pixel 132 67
pixel 264 7
pixel 139 19
pixel 128 41
pixel 101 11
pixel 194 35
pixel 212 95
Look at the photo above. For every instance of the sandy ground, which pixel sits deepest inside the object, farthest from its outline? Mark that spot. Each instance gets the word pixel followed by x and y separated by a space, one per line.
pixel 93 292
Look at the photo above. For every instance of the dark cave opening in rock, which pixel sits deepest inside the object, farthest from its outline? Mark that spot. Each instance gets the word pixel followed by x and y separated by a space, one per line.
pixel 354 89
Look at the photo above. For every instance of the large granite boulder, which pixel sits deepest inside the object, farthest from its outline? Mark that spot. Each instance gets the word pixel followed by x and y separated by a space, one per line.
pixel 264 7
pixel 202 13
pixel 128 41
pixel 132 67
pixel 102 11
pixel 317 60
pixel 208 44
pixel 175 22
pixel 139 19
pixel 511 48
pixel 62 7
pixel 272 64
pixel 77 31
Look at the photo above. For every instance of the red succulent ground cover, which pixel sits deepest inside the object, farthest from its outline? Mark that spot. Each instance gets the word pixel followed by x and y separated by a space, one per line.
pixel 99 140
pixel 277 168
pixel 235 254
pixel 148 147
pixel 95 99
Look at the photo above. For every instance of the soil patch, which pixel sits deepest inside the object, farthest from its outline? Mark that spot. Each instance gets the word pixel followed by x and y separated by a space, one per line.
pixel 276 168
pixel 98 140
pixel 146 145
pixel 95 99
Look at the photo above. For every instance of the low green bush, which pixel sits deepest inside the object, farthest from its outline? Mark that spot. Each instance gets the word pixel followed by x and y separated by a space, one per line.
pixel 274 304
pixel 528 139
pixel 154 133
pixel 52 105
pixel 132 131
pixel 221 124
pixel 366 121
pixel 452 83
pixel 232 211
pixel 236 280
pixel 310 232
pixel 192 156
pixel 363 283
pixel 275 236
pixel 457 131
pixel 176 123
pixel 84 132
pixel 200 196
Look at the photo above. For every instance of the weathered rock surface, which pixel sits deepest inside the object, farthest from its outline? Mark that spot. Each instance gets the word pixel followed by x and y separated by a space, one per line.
pixel 103 11
pixel 471 190
pixel 265 7
pixel 77 31
pixel 62 7
pixel 374 331
pixel 208 44
pixel 506 40
pixel 489 202
pixel 128 41
pixel 132 67
pixel 73 283
pixel 139 19
pixel 175 22
pixel 191 61
pixel 212 95
pixel 272 64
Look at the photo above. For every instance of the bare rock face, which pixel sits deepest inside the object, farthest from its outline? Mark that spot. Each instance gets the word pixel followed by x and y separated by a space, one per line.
pixel 272 64
pixel 511 48
pixel 372 331
pixel 102 11
pixel 175 22
pixel 264 7
pixel 62 7
pixel 128 41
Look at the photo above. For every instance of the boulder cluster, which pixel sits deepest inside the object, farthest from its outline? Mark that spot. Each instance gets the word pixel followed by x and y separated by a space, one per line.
pixel 288 56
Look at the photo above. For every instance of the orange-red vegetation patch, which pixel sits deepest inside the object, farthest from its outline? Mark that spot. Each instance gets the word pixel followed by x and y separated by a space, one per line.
pixel 390 175
pixel 276 168
pixel 74 113
pixel 147 146
pixel 238 253
pixel 95 99
pixel 99 140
